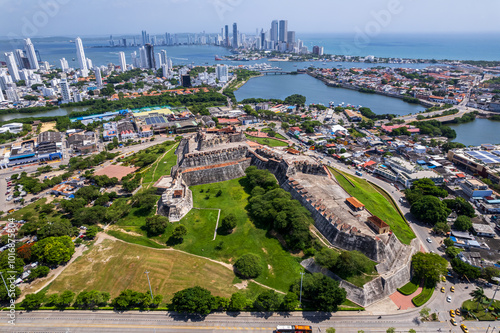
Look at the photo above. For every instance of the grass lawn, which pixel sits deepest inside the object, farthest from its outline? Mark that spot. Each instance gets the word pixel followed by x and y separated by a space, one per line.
pixel 409 288
pixel 277 135
pixel 377 204
pixel 267 141
pixel 361 279
pixel 471 310
pixel 114 266
pixel 281 269
pixel 424 296
pixel 54 216
pixel 161 166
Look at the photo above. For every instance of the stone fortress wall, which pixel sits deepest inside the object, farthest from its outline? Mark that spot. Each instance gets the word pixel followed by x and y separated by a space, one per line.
pixel 206 159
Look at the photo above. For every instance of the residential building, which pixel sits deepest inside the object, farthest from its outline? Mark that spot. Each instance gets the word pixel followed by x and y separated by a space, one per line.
pixel 12 95
pixel 150 56
pixel 64 64
pixel 235 36
pixel 31 55
pixel 98 78
pixel 65 90
pixel 12 66
pixel 317 50
pixel 222 73
pixel 80 53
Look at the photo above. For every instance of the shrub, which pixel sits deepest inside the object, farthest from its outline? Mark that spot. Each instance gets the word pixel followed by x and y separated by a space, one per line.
pixel 409 288
pixel 423 297
pixel 248 266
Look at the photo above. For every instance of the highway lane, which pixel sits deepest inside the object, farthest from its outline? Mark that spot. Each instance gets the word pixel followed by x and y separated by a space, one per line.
pixel 107 321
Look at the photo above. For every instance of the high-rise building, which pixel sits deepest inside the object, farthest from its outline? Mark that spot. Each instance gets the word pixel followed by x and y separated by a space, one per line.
pixel 12 66
pixel 222 72
pixel 65 92
pixel 143 57
pixel 124 42
pixel 123 63
pixel 19 54
pixel 164 58
pixel 235 36
pixel 150 56
pixel 64 64
pixel 262 38
pixel 98 77
pixel 165 70
pixel 226 35
pixel 2 99
pixel 158 61
pixel 30 53
pixel 6 81
pixel 291 40
pixel 80 54
pixel 144 37
pixel 283 31
pixel 12 94
pixel 89 63
pixel 317 50
pixel 274 31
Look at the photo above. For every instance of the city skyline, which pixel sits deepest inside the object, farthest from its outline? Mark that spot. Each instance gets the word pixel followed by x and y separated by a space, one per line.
pixel 394 16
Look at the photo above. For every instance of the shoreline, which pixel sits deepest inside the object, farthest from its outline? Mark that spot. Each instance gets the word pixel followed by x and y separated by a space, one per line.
pixel 355 88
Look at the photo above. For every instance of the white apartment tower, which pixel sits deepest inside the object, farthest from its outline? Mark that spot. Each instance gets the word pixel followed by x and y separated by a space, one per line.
pixel 123 63
pixel 12 66
pixel 98 77
pixel 65 92
pixel 80 53
pixel 222 73
pixel 64 64
pixel 30 53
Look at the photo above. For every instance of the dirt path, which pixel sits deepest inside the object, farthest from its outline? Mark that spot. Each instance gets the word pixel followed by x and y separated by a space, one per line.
pixel 228 266
pixel 158 163
pixel 53 274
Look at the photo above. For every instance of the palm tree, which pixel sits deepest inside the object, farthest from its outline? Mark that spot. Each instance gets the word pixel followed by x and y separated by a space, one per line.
pixel 478 296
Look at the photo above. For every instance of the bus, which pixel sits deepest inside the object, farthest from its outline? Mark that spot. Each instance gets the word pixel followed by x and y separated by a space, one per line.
pixel 293 329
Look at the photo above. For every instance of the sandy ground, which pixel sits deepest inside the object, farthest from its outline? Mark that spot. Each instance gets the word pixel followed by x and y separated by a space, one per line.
pixel 48 126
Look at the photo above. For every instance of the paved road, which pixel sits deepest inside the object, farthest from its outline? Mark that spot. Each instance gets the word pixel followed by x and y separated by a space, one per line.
pixel 104 321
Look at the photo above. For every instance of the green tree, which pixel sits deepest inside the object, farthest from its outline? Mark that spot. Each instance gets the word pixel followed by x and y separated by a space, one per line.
pixel 91 299
pixel 412 331
pixel 88 193
pixel 330 330
pixel 40 271
pixel 391 330
pixel 56 229
pixel 248 266
pixel 33 301
pixel 238 302
pixel 65 299
pixel 179 232
pixel 478 296
pixel 228 223
pixel 441 228
pixel 429 266
pixel 290 301
pixel 91 232
pixel 430 209
pixel 47 208
pixel 425 312
pixel 462 223
pixel 268 300
pixel 448 242
pixel 464 269
pixel 491 272
pixel 54 250
pixel 452 251
pixel 295 99
pixel 327 258
pixel 193 300
pixel 156 225
pixel 322 292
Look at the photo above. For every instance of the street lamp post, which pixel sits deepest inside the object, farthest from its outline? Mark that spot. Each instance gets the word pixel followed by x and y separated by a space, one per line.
pixel 151 291
pixel 301 278
pixel 494 294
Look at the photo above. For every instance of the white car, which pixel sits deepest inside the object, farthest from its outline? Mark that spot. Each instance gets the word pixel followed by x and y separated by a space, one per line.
pixel 429 240
pixel 448 299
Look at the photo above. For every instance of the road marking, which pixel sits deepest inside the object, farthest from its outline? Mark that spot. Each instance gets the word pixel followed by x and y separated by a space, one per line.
pixel 134 326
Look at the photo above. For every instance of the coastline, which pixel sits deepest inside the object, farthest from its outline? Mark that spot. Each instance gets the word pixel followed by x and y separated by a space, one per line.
pixel 355 88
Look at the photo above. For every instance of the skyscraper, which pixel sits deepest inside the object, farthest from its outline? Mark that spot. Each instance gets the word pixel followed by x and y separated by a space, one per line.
pixel 1 96
pixel 144 37
pixel 274 31
pixel 30 52
pixel 12 66
pixel 18 53
pixel 235 36
pixel 98 77
pixel 164 59
pixel 64 64
pixel 80 54
pixel 283 31
pixel 89 63
pixel 226 35
pixel 65 92
pixel 262 39
pixel 291 40
pixel 123 63
pixel 150 55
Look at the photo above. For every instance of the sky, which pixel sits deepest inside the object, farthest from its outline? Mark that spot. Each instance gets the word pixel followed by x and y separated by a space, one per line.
pixel 38 18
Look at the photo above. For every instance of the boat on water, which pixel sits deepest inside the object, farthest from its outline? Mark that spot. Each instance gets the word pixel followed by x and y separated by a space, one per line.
pixel 217 58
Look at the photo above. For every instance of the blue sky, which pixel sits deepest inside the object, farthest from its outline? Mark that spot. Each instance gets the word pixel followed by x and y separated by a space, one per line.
pixel 36 18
